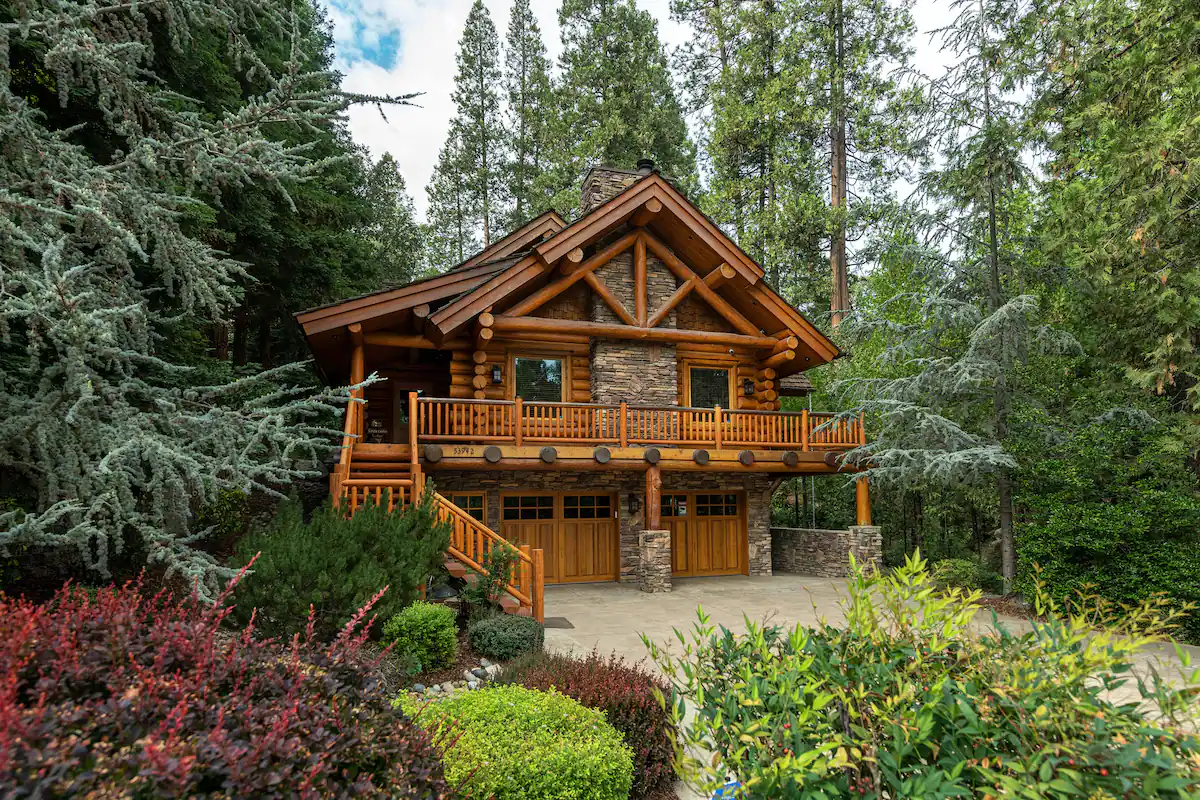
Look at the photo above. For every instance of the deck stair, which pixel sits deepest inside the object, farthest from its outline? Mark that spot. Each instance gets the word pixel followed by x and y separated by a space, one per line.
pixel 393 476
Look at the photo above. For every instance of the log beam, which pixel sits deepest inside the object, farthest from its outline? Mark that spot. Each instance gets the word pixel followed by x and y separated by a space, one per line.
pixel 719 304
pixel 779 359
pixel 575 256
pixel 609 298
pixel 720 275
pixel 639 281
pixel 786 343
pixel 514 324
pixel 385 339
pixel 675 299
pixel 647 212
pixel 557 287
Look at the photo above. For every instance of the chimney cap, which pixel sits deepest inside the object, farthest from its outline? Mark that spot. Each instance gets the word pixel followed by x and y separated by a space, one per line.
pixel 645 165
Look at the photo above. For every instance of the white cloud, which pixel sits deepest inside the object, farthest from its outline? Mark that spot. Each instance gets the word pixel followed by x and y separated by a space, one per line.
pixel 428 41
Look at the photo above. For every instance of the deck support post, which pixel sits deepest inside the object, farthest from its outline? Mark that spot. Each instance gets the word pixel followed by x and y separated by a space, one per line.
pixel 653 516
pixel 418 477
pixel 862 497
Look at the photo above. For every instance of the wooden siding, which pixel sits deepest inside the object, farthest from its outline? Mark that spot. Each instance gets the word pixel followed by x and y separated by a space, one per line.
pixel 463 369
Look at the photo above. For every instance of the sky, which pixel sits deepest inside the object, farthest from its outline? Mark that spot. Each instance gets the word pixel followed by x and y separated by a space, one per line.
pixel 401 46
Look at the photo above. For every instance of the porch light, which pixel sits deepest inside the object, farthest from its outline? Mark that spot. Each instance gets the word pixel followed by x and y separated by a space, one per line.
pixel 496 373
pixel 747 387
pixel 634 505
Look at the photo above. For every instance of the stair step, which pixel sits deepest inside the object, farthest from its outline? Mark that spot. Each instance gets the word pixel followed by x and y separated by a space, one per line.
pixel 456 568
pixel 378 476
pixel 510 604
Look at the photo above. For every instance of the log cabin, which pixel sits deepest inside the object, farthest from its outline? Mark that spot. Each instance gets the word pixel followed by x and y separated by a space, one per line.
pixel 602 394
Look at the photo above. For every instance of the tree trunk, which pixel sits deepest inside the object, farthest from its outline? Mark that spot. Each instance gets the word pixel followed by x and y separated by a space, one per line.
pixel 839 301
pixel 264 342
pixel 241 331
pixel 218 340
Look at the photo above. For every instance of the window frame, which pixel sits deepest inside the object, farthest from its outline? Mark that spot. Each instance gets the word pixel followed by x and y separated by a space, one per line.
pixel 451 495
pixel 606 497
pixel 729 365
pixel 555 504
pixel 562 358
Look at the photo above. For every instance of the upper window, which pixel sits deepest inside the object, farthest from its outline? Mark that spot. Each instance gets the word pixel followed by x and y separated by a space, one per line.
pixel 538 379
pixel 709 387
pixel 532 506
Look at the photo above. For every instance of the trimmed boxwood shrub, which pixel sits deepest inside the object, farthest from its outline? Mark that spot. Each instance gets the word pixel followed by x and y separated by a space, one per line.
pixel 963 573
pixel 515 743
pixel 425 632
pixel 124 695
pixel 625 693
pixel 505 636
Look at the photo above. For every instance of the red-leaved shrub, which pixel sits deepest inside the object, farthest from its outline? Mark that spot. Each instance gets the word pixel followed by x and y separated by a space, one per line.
pixel 625 693
pixel 126 695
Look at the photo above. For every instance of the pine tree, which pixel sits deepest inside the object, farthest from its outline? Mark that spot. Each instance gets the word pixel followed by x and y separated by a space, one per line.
pixel 530 105
pixel 449 234
pixel 945 418
pixel 106 446
pixel 393 234
pixel 478 122
pixel 616 98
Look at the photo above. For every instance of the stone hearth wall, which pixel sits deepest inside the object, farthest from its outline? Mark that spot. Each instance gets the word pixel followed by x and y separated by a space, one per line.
pixel 630 525
pixel 824 553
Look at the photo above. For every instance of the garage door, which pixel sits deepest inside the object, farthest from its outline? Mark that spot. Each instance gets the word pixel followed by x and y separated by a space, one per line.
pixel 577 533
pixel 708 533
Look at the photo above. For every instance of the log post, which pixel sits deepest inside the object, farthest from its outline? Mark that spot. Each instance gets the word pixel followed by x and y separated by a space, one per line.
pixel 639 280
pixel 624 422
pixel 538 588
pixel 526 577
pixel 804 430
pixel 518 421
pixel 718 433
pixel 653 518
pixel 418 477
pixel 862 498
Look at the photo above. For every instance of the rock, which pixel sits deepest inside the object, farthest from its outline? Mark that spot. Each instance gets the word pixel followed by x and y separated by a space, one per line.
pixel 479 672
pixel 472 685
pixel 492 670
pixel 418 687
pixel 483 662
pixel 468 675
pixel 448 687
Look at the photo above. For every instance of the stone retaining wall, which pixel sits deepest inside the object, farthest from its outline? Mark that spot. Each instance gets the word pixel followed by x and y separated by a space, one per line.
pixel 825 553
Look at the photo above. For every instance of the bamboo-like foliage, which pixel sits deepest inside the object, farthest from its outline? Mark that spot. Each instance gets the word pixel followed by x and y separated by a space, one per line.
pixel 105 444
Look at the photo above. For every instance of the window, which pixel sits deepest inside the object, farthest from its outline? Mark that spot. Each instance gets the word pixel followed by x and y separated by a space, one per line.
pixel 709 387
pixel 673 505
pixel 716 505
pixel 471 502
pixel 530 506
pixel 587 506
pixel 538 379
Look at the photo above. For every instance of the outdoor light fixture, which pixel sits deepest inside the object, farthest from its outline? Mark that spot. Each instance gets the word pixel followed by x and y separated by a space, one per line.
pixel 634 505
pixel 496 373
pixel 747 387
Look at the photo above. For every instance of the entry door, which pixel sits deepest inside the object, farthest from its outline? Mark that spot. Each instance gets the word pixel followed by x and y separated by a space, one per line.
pixel 708 533
pixel 577 533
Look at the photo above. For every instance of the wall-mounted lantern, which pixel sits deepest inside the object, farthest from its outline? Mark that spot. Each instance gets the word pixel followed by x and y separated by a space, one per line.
pixel 496 377
pixel 747 387
pixel 634 504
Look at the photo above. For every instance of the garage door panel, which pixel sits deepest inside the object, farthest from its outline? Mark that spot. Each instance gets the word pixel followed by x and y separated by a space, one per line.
pixel 538 534
pixel 706 544
pixel 574 550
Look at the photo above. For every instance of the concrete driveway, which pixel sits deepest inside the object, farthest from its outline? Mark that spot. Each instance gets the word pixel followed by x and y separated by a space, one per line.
pixel 610 616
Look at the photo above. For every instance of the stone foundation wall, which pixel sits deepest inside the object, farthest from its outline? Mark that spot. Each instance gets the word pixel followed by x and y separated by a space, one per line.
pixel 825 553
pixel 655 556
pixel 626 484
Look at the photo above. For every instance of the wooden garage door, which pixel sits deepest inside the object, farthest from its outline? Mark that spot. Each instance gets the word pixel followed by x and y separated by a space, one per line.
pixel 708 533
pixel 577 533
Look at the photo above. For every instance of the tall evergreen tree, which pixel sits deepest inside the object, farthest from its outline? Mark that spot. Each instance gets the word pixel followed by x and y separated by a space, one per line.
pixel 946 418
pixel 449 234
pixel 393 234
pixel 530 106
pixel 616 98
pixel 108 177
pixel 478 124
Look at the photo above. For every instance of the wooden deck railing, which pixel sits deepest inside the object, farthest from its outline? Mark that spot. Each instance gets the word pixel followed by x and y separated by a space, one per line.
pixel 517 422
pixel 470 543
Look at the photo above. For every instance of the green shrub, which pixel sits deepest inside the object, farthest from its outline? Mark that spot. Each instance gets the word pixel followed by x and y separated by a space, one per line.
pixel 425 632
pixel 905 701
pixel 505 636
pixel 626 694
pixel 963 573
pixel 482 597
pixel 336 564
pixel 515 743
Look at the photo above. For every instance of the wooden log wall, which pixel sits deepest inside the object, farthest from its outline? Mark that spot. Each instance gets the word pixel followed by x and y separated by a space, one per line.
pixel 471 375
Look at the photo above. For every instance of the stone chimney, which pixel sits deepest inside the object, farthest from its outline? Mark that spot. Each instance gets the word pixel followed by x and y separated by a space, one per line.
pixel 602 184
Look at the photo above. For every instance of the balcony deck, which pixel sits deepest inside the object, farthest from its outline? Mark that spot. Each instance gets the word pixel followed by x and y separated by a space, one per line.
pixel 521 424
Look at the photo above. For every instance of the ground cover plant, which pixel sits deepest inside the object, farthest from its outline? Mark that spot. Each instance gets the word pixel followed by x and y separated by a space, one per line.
pixel 903 701
pixel 513 743
pixel 506 636
pixel 336 563
pixel 122 694
pixel 625 693
pixel 426 634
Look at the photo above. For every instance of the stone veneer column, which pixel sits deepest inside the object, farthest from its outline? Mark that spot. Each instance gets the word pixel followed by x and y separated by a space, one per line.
pixel 866 544
pixel 654 549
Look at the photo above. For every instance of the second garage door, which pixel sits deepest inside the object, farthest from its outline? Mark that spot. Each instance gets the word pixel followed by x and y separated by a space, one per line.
pixel 577 533
pixel 708 533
